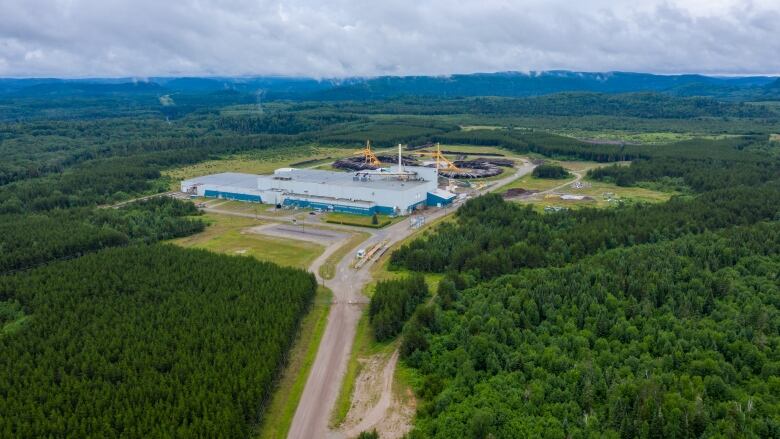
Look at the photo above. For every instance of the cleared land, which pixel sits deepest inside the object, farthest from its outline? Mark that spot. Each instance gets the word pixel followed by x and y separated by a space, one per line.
pixel 263 162
pixel 618 136
pixel 229 234
pixel 598 193
pixel 480 127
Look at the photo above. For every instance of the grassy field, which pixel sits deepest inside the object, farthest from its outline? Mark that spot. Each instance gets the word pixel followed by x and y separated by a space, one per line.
pixel 358 220
pixel 597 190
pixel 328 268
pixel 593 189
pixel 227 234
pixel 480 127
pixel 658 137
pixel 247 208
pixel 262 162
pixel 279 413
pixel 477 150
pixel 530 182
pixel 601 194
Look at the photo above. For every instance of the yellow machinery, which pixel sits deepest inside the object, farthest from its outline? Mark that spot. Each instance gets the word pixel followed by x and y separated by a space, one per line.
pixel 368 155
pixel 442 163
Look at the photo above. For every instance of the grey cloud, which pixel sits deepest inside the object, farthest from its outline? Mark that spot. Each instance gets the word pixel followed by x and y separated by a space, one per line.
pixel 336 38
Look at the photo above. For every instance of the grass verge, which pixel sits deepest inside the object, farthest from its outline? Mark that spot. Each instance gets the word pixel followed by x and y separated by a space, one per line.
pixel 328 268
pixel 279 413
pixel 357 220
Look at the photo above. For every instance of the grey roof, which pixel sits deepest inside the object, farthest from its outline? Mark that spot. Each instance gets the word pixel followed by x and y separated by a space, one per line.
pixel 341 179
pixel 233 179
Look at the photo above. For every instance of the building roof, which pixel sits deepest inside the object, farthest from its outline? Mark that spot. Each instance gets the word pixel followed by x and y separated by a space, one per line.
pixel 441 193
pixel 341 179
pixel 232 179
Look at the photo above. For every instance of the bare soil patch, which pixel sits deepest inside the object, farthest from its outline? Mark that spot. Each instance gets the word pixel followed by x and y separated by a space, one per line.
pixel 311 234
pixel 375 405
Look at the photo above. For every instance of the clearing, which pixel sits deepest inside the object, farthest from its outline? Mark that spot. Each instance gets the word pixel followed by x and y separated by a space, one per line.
pixel 231 235
pixel 634 137
pixel 553 192
pixel 261 162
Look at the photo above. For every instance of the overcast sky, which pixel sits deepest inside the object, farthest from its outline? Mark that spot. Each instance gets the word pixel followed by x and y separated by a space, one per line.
pixel 336 38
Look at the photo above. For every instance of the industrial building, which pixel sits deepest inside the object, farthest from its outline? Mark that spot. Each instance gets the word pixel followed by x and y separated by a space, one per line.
pixel 397 190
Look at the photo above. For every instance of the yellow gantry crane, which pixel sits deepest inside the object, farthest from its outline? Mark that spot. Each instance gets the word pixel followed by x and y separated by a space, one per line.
pixel 368 156
pixel 442 163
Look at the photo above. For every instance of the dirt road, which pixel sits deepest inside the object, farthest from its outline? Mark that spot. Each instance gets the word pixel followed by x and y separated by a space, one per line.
pixel 374 415
pixel 324 382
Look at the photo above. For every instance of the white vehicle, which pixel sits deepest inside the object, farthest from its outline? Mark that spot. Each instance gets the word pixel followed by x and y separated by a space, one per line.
pixel 360 253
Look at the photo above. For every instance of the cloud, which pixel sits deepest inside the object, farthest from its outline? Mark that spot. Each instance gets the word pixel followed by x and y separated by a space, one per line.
pixel 337 38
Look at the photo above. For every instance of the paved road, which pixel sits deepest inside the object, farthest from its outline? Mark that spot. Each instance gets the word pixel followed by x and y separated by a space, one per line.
pixel 324 382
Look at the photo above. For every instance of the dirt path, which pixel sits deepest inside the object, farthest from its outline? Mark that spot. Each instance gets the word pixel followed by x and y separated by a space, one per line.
pixel 559 187
pixel 374 405
pixel 147 197
pixel 322 387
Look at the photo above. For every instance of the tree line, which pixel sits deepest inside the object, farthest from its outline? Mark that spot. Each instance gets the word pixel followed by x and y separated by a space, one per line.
pixel 34 239
pixel 393 302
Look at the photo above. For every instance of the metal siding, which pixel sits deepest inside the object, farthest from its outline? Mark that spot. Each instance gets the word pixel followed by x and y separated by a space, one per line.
pixel 434 199
pixel 327 206
pixel 233 196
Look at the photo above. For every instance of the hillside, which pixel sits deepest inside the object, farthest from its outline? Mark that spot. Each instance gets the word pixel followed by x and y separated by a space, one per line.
pixel 511 84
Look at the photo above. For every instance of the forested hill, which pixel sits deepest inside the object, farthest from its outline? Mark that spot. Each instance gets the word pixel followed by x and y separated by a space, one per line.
pixel 541 83
pixel 513 84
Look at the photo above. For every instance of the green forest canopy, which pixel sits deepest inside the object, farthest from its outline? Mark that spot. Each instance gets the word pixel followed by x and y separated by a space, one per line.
pixel 147 341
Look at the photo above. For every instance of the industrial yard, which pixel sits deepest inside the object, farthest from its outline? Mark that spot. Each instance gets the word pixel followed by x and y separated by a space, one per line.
pixel 394 190
pixel 322 206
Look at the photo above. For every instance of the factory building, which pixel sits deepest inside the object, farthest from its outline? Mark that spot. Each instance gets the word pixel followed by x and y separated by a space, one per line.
pixel 398 190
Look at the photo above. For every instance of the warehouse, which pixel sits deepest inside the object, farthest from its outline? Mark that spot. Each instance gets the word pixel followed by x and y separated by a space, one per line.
pixel 391 191
pixel 227 185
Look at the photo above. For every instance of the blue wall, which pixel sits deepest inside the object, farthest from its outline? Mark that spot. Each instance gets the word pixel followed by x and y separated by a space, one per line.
pixel 434 199
pixel 233 196
pixel 385 210
pixel 336 207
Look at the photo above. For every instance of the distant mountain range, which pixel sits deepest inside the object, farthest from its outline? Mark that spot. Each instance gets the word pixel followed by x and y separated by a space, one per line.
pixel 510 84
